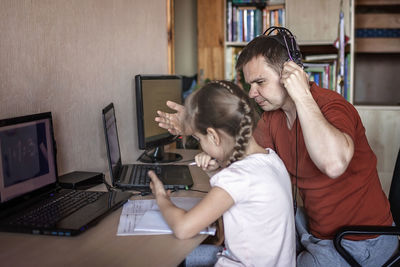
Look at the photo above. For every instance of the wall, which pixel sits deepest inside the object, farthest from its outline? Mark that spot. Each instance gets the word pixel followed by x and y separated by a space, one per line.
pixel 73 57
pixel 185 37
pixel 382 127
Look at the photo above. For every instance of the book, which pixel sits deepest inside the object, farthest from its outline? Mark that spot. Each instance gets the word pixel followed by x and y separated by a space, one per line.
pixel 153 221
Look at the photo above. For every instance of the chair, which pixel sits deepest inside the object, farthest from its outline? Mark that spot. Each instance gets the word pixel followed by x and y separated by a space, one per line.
pixel 394 199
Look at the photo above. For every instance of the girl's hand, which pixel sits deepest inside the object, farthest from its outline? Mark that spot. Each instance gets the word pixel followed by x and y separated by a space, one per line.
pixel 157 187
pixel 205 161
pixel 173 121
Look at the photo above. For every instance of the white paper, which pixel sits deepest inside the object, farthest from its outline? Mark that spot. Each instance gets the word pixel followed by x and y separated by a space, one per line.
pixel 143 217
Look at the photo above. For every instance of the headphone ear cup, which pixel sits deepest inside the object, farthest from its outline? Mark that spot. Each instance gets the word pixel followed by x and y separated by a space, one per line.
pixel 287 40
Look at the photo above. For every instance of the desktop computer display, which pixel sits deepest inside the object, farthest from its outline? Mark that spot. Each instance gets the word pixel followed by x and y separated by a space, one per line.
pixel 152 93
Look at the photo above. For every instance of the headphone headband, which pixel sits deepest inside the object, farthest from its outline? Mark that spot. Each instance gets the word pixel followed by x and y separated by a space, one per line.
pixel 289 42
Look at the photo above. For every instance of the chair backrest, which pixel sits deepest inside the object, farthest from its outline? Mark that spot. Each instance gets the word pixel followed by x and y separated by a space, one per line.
pixel 394 194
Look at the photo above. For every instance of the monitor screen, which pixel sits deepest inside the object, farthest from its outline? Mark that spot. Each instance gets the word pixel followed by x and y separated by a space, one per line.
pixel 27 156
pixel 112 142
pixel 152 93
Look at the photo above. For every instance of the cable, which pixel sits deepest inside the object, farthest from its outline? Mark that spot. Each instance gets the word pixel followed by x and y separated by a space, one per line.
pixel 295 192
pixel 195 190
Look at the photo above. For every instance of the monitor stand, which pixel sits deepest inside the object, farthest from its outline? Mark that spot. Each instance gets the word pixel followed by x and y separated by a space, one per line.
pixel 159 156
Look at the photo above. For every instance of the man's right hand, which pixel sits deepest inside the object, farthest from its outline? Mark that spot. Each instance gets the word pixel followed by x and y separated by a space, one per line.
pixel 173 121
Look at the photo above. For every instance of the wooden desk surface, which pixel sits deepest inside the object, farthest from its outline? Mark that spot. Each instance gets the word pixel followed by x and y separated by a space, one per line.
pixel 100 246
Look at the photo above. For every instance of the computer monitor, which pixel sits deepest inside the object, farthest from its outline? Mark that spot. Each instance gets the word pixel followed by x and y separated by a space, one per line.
pixel 152 93
pixel 27 155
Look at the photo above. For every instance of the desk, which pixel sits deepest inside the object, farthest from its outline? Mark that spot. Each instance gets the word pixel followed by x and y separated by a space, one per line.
pixel 100 246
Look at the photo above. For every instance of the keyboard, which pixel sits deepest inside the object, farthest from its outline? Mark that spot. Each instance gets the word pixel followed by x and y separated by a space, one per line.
pixel 50 211
pixel 139 173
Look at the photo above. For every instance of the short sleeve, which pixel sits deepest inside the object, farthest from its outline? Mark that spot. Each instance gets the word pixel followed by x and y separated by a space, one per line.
pixel 341 115
pixel 231 180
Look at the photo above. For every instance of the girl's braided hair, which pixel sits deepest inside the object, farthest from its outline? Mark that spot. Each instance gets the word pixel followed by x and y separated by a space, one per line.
pixel 223 105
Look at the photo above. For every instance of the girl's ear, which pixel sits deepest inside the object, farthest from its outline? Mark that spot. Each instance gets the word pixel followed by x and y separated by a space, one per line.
pixel 213 136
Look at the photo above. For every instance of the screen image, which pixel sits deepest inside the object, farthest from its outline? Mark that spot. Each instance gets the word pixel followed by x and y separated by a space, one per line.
pixel 27 158
pixel 155 94
pixel 112 136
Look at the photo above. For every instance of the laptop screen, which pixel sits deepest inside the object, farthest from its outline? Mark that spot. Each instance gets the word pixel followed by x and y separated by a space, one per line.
pixel 111 134
pixel 27 159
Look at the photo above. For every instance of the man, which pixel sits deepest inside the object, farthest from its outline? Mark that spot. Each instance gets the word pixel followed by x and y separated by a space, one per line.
pixel 321 140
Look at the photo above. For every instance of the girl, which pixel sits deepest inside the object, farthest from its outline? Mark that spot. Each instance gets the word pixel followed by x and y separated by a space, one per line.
pixel 252 191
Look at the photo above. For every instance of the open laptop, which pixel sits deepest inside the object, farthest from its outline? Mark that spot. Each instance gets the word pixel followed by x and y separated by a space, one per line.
pixel 134 176
pixel 31 200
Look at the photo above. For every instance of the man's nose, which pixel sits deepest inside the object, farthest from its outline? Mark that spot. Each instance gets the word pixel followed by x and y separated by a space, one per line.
pixel 253 92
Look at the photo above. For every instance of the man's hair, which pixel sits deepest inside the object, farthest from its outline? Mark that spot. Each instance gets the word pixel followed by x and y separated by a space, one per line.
pixel 268 47
pixel 222 105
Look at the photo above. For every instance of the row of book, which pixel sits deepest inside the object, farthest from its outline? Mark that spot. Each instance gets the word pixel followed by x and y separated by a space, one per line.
pixel 246 22
pixel 323 70
pixel 373 33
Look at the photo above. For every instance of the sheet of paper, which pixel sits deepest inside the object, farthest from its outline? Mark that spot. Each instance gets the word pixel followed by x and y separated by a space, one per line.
pixel 132 212
pixel 143 217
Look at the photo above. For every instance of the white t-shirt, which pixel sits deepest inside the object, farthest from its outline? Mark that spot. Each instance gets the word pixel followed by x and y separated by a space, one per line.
pixel 259 227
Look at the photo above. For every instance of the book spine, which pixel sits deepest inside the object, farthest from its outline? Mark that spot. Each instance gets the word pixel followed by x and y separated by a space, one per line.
pixel 229 22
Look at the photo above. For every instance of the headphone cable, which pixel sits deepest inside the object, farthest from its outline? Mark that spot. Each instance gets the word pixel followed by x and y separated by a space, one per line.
pixel 295 192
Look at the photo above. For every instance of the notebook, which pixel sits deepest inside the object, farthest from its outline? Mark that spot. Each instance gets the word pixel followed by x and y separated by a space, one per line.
pixel 124 176
pixel 31 200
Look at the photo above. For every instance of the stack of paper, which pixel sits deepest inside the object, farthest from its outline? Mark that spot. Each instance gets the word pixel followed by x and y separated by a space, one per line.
pixel 143 217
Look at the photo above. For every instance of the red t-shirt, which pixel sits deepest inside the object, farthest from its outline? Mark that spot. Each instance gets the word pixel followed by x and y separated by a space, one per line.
pixel 354 198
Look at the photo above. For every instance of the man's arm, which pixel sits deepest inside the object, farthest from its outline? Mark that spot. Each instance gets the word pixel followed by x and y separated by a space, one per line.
pixel 330 149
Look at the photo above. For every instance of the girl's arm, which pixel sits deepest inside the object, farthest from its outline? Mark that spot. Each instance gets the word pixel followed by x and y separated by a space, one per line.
pixel 186 224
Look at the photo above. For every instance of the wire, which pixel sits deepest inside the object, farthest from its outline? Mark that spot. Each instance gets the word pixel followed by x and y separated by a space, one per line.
pixel 201 191
pixel 295 192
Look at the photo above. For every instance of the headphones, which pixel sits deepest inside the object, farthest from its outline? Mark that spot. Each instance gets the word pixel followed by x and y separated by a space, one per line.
pixel 287 40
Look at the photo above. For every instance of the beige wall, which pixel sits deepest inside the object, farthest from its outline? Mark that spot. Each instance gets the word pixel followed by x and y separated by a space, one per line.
pixel 185 37
pixel 382 126
pixel 73 57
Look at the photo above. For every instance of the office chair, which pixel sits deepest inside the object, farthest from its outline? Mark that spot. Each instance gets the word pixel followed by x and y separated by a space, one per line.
pixel 394 199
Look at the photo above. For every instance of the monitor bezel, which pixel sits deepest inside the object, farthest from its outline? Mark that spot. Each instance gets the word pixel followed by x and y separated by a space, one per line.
pixel 140 114
pixel 51 186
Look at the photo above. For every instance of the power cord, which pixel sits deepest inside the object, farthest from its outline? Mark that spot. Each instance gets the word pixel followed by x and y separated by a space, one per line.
pixel 195 190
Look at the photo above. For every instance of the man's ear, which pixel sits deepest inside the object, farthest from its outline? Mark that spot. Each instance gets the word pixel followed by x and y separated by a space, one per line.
pixel 213 136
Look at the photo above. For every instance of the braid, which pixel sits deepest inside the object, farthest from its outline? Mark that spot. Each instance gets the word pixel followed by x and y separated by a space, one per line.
pixel 244 134
pixel 223 105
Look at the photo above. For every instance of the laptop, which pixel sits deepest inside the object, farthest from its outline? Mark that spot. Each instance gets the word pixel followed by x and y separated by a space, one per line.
pixel 31 200
pixel 134 176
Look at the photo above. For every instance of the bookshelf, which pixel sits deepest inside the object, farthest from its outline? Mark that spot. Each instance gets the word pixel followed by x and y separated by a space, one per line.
pixel 245 20
pixel 377 52
pixel 316 43
pixel 315 24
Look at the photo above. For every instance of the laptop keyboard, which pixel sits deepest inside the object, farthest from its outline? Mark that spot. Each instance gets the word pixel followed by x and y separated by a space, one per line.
pixel 139 173
pixel 54 209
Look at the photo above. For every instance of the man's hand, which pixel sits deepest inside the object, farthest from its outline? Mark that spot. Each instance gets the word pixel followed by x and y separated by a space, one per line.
pixel 295 80
pixel 173 121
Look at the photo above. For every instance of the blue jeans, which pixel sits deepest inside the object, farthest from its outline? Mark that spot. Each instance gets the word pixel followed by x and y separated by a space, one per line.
pixel 313 251
pixel 203 256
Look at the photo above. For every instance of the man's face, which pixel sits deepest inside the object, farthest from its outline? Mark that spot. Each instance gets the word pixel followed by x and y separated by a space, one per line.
pixel 265 86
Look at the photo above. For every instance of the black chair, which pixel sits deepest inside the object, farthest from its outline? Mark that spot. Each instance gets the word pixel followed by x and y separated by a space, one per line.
pixel 394 199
